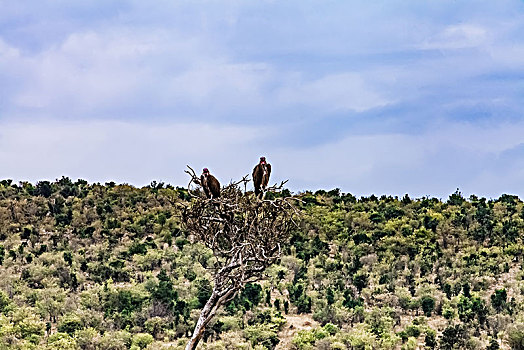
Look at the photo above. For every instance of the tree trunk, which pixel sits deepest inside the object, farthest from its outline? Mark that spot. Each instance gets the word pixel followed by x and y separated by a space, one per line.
pixel 215 301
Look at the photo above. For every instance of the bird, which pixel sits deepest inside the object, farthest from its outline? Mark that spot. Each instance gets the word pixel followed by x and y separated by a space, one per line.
pixel 261 174
pixel 210 184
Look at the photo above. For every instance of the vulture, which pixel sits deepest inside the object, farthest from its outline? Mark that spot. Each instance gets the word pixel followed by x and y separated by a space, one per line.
pixel 261 176
pixel 210 184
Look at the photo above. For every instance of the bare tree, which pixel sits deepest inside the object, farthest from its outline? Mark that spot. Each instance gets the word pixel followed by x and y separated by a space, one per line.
pixel 245 235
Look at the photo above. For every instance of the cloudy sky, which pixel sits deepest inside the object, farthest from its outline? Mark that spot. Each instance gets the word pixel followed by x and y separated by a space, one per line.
pixel 384 97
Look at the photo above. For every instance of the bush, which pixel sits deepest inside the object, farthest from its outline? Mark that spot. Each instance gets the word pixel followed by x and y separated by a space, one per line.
pixel 87 338
pixel 516 337
pixel 228 323
pixel 498 299
pixel 493 344
pixel 26 324
pixel 61 341
pixel 454 337
pixel 204 290
pixel 250 296
pixel 70 324
pixel 5 302
pixel 361 338
pixel 430 339
pixel 411 344
pixel 262 334
pixel 142 340
pixel 120 340
pixel 305 339
pixel 428 304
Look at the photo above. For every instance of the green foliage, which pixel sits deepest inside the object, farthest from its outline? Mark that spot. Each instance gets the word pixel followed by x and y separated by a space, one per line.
pixel 100 264
pixel 454 337
pixel 68 258
pixel 204 290
pixel 142 340
pixel 428 304
pixel 5 302
pixel 137 248
pixel 116 340
pixel 21 326
pixel 360 280
pixel 122 303
pixel 430 339
pixel 361 338
pixel 350 302
pixel 380 320
pixel 70 324
pixel 306 339
pixel 61 341
pixel 499 298
pixel 248 298
pixel 164 291
pixel 456 198
pixel 493 344
pixel 307 248
pixel 330 296
pixel 298 297
pixel 516 337
pixel 265 335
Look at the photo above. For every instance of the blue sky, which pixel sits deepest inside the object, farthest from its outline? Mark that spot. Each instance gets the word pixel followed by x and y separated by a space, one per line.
pixel 384 97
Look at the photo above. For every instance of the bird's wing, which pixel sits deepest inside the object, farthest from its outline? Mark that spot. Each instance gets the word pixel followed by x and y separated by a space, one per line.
pixel 255 175
pixel 214 186
pixel 204 185
pixel 215 181
pixel 268 166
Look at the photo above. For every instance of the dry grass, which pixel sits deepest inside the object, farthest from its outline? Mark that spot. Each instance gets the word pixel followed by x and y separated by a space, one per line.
pixel 294 324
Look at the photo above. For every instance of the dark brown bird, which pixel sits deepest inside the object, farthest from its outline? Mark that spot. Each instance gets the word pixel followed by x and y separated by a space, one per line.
pixel 210 184
pixel 261 174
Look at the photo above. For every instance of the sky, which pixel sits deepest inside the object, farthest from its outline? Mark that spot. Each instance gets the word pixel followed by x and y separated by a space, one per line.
pixel 372 97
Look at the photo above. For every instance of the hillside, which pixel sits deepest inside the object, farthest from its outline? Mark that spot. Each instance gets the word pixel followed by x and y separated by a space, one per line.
pixel 91 266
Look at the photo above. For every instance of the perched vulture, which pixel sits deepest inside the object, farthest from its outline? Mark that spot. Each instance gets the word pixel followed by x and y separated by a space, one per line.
pixel 210 184
pixel 261 175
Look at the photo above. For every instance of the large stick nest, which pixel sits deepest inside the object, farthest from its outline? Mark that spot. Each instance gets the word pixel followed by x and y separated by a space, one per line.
pixel 244 232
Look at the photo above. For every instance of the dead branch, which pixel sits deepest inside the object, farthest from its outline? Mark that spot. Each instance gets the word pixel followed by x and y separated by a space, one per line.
pixel 276 187
pixel 245 235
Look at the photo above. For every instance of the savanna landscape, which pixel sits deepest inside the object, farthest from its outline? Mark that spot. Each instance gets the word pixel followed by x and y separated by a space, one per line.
pixel 261 175
pixel 110 266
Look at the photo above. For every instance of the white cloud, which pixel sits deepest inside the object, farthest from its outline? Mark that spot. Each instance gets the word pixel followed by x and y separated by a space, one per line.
pixel 7 52
pixel 431 163
pixel 458 36
pixel 117 68
pixel 434 162
pixel 508 55
pixel 100 72
pixel 221 84
pixel 120 151
pixel 344 91
pixel 89 70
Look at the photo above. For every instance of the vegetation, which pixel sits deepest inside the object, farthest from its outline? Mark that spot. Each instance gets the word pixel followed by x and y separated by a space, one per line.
pixel 91 266
pixel 245 235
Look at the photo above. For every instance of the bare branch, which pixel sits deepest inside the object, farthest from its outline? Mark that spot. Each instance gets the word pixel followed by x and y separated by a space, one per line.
pixel 277 187
pixel 245 235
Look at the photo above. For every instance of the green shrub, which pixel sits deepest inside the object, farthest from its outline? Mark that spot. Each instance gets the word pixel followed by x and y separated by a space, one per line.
pixel 142 340
pixel 70 324
pixel 61 341
pixel 516 337
pixel 262 334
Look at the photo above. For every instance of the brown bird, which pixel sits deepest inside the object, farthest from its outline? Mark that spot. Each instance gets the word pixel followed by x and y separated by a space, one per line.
pixel 261 174
pixel 210 184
